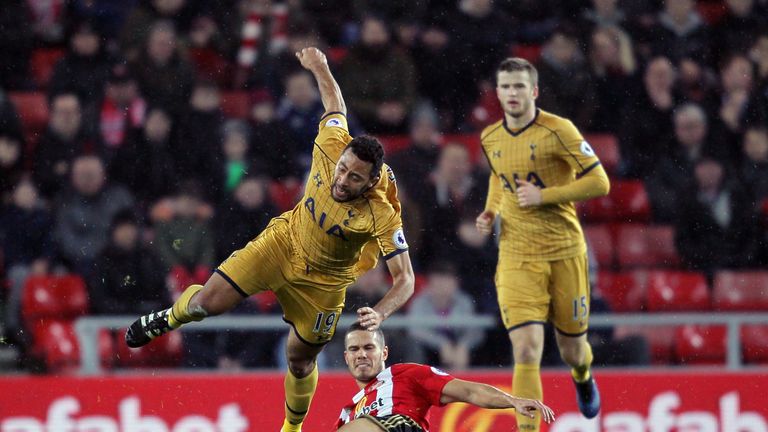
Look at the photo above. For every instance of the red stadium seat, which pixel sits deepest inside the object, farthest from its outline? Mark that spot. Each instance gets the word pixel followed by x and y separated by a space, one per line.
pixel 606 147
pixel 597 210
pixel 165 351
pixel 624 292
pixel 677 291
pixel 394 143
pixel 42 62
pixel 630 201
pixel 754 342
pixel 641 245
pixel 700 344
pixel 32 108
pixel 236 104
pixel 337 54
pixel 600 241
pixel 532 53
pixel 211 65
pixel 741 291
pixel 55 342
pixel 660 340
pixel 60 297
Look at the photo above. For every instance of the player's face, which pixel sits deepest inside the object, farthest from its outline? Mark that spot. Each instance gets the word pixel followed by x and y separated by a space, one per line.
pixel 516 93
pixel 364 355
pixel 351 178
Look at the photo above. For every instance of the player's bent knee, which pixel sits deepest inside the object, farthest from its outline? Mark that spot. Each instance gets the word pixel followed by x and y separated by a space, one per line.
pixel 301 367
pixel 217 297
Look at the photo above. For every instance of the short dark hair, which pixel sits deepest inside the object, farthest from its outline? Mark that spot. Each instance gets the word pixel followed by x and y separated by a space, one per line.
pixel 368 149
pixel 515 64
pixel 358 327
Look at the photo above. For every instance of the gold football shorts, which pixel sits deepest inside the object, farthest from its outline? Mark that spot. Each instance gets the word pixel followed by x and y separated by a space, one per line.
pixel 311 301
pixel 536 292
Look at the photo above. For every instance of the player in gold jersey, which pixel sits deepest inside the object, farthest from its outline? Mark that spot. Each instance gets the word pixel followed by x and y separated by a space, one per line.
pixel 308 256
pixel 540 165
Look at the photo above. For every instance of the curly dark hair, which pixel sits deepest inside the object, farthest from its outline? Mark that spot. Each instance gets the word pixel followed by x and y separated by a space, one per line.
pixel 368 149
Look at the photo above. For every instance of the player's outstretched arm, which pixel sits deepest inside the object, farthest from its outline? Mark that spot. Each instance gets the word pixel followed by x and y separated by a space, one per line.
pixel 486 396
pixel 402 289
pixel 315 61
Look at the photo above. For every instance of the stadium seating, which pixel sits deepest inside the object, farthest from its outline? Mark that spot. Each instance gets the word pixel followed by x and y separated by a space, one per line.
pixel 754 339
pixel 677 291
pixel 55 343
pixel 700 344
pixel 166 351
pixel 532 53
pixel 210 65
pixel 624 291
pixel 741 291
pixel 600 241
pixel 606 147
pixel 660 340
pixel 236 104
pixel 639 245
pixel 630 201
pixel 284 195
pixel 42 63
pixel 60 297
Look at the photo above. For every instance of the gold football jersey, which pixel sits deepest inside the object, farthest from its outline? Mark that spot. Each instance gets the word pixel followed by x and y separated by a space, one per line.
pixel 548 152
pixel 344 238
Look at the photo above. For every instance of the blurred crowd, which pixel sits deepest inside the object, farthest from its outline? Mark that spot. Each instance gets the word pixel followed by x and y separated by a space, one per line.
pixel 141 184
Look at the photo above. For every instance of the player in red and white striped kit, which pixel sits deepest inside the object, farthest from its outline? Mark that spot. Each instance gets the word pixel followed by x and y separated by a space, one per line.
pixel 398 398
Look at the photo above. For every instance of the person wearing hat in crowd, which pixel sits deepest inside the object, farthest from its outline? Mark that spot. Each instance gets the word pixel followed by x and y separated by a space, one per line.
pixel 85 67
pixel 122 109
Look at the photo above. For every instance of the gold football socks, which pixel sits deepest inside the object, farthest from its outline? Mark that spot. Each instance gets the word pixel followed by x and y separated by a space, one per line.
pixel 298 396
pixel 526 383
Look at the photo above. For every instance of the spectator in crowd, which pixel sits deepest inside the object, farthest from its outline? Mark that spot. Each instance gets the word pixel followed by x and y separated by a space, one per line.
pixel 717 224
pixel 567 89
pixel 730 103
pixel 475 256
pixel 301 34
pixel 138 27
pixel 264 30
pixel 613 66
pixel 199 137
pixel 25 239
pixel 185 241
pixel 680 32
pixel 64 139
pixel 757 111
pixel 242 215
pixel 107 15
pixel 11 161
pixel 48 20
pixel 606 14
pixel 415 162
pixel 122 109
pixel 447 87
pixel 236 161
pixel 445 346
pixel 484 34
pixel 300 110
pixel 754 167
pixel 641 145
pixel 450 191
pixel 85 68
pixel 695 81
pixel 271 141
pixel 674 168
pixel 127 277
pixel 164 77
pixel 15 44
pixel 84 211
pixel 144 163
pixel 381 103
pixel 737 29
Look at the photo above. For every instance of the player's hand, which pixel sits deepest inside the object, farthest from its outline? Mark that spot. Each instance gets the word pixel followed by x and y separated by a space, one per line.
pixel 528 194
pixel 369 318
pixel 312 58
pixel 528 407
pixel 484 222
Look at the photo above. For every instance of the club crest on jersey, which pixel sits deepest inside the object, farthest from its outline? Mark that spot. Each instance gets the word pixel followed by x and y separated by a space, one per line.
pixel 334 122
pixel 398 238
pixel 586 149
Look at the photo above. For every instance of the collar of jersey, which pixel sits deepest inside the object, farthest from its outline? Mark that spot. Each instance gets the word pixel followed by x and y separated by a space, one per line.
pixel 524 128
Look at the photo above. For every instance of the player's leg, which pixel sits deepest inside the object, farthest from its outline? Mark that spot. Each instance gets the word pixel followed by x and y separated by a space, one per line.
pixel 194 304
pixel 361 424
pixel 570 302
pixel 247 271
pixel 300 380
pixel 524 304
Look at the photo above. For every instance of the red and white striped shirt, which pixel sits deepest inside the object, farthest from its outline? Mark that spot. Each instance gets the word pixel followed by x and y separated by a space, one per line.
pixel 409 389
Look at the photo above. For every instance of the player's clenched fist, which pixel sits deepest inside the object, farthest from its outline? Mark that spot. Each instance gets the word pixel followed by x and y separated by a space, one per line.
pixel 484 222
pixel 528 194
pixel 312 58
